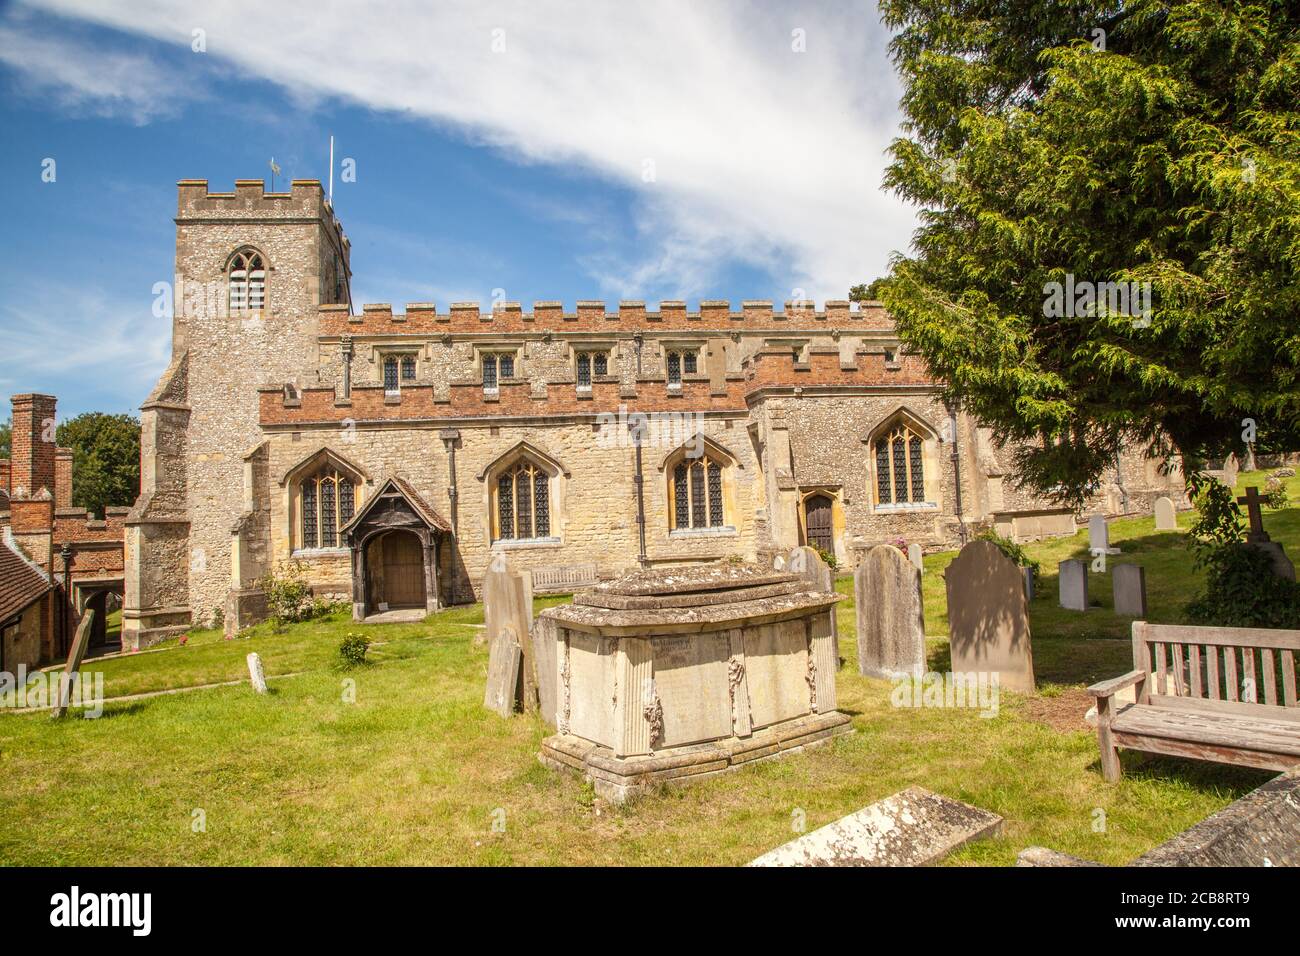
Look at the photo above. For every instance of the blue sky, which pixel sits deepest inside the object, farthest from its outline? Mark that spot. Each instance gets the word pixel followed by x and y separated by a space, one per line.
pixel 551 150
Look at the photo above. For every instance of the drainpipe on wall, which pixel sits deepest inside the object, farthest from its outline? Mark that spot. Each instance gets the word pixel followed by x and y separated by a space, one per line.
pixel 956 476
pixel 449 437
pixel 635 428
pixel 66 554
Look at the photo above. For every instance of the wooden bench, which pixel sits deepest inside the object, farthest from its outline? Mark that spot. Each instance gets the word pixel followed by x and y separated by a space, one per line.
pixel 565 578
pixel 1225 694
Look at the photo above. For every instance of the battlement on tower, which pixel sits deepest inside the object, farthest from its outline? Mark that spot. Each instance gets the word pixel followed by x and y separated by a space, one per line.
pixel 250 202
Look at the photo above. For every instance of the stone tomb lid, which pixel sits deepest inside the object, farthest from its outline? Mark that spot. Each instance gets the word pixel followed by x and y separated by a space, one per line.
pixel 682 600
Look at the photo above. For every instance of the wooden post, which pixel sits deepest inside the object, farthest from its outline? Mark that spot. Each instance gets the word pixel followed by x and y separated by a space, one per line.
pixel 1110 768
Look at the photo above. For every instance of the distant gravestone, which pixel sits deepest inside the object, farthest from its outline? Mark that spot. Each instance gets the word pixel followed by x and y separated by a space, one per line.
pixel 1028 573
pixel 1072 580
pixel 508 615
pixel 914 555
pixel 1099 536
pixel 1129 582
pixel 1166 519
pixel 890 614
pixel 806 562
pixel 256 673
pixel 80 641
pixel 778 563
pixel 988 617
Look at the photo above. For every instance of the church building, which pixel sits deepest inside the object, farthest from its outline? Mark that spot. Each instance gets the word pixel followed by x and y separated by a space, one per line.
pixel 392 453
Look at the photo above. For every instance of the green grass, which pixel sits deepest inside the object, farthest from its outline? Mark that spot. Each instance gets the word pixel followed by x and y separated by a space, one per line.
pixel 412 772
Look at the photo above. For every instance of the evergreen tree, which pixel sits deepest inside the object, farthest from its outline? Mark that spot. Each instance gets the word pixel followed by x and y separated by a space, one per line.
pixel 105 459
pixel 1055 147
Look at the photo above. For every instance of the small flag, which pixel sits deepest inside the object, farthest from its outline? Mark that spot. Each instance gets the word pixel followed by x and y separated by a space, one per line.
pixel 274 168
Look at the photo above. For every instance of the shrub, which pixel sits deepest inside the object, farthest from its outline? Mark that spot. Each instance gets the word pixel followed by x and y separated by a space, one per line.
pixel 1275 491
pixel 288 596
pixel 1218 520
pixel 1016 552
pixel 352 652
pixel 1242 591
pixel 827 556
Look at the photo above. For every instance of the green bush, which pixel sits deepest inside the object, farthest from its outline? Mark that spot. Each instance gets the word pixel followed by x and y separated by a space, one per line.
pixel 1242 591
pixel 288 596
pixel 828 557
pixel 1015 552
pixel 352 652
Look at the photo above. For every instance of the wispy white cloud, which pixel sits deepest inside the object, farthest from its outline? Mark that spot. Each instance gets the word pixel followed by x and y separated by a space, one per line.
pixel 735 146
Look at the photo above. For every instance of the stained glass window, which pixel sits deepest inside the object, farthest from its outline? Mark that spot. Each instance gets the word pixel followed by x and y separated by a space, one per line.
pixel 523 507
pixel 328 503
pixel 900 467
pixel 696 493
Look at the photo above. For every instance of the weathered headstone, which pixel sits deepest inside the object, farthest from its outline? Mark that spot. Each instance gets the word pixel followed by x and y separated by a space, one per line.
pixel 914 555
pixel 1099 536
pixel 988 617
pixel 508 615
pixel 1166 518
pixel 914 827
pixel 546 638
pixel 1028 573
pixel 890 614
pixel 1129 582
pixel 1258 538
pixel 505 657
pixel 256 674
pixel 808 564
pixel 80 641
pixel 1072 580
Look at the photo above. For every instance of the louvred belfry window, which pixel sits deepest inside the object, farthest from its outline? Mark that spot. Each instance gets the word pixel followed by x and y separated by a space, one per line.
pixel 328 503
pixel 696 492
pixel 523 503
pixel 900 469
pixel 246 282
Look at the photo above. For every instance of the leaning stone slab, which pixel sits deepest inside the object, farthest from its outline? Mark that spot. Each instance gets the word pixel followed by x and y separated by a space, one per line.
pixel 256 673
pixel 914 827
pixel 504 659
pixel 808 564
pixel 546 636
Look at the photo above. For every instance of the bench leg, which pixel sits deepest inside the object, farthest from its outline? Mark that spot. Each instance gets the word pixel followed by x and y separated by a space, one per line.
pixel 1110 768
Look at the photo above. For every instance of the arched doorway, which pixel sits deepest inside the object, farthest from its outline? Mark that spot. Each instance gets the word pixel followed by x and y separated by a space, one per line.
pixel 395 571
pixel 819 530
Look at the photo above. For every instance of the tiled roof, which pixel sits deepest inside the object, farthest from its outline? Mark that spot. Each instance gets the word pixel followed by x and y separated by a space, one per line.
pixel 423 510
pixel 20 583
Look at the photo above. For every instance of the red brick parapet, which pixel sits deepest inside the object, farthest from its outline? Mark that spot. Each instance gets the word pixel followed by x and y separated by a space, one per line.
pixel 593 316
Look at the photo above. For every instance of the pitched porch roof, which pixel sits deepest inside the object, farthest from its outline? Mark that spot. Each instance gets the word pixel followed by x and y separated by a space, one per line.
pixel 421 508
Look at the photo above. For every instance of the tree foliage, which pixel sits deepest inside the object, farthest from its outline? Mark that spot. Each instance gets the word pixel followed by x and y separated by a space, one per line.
pixel 1142 142
pixel 105 459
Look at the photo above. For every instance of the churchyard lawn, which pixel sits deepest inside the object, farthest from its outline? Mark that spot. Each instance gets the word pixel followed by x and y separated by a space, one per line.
pixel 417 771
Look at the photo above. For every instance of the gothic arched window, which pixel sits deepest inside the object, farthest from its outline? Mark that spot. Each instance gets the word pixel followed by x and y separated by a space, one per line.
pixel 900 468
pixel 246 282
pixel 522 502
pixel 329 500
pixel 695 498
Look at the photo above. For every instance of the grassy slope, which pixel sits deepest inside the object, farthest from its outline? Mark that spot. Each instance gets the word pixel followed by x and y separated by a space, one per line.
pixel 412 772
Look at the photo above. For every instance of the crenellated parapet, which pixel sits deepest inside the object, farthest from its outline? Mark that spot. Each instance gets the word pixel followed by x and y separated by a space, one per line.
pixel 589 316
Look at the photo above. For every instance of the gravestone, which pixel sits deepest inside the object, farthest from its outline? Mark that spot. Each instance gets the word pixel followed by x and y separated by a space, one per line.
pixel 1028 573
pixel 1099 536
pixel 914 555
pixel 808 564
pixel 546 636
pixel 1258 538
pixel 256 674
pixel 1129 582
pixel 890 614
pixel 914 827
pixel 988 618
pixel 507 614
pixel 1072 579
pixel 1166 519
pixel 504 659
pixel 80 641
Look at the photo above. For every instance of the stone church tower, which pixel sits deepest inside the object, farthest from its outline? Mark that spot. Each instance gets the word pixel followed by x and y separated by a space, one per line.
pixel 252 270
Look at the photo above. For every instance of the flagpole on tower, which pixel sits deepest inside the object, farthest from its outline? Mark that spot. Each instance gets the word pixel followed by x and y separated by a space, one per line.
pixel 274 169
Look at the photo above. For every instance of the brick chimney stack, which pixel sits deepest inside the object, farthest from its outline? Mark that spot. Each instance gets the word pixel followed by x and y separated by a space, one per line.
pixel 32 454
pixel 62 478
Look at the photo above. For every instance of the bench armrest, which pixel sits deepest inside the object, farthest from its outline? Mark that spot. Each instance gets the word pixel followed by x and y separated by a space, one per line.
pixel 1108 688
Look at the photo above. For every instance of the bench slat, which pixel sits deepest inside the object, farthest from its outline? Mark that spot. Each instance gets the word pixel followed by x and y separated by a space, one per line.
pixel 1248 675
pixel 1176 662
pixel 1212 660
pixel 1224 636
pixel 1288 679
pixel 1270 678
pixel 1230 707
pixel 1195 651
pixel 1242 733
pixel 1162 685
pixel 1230 672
